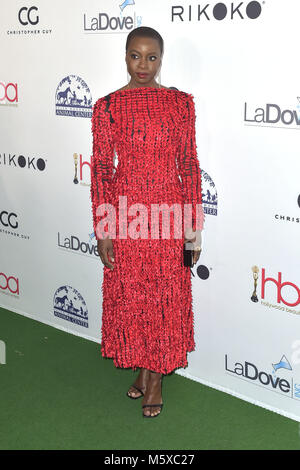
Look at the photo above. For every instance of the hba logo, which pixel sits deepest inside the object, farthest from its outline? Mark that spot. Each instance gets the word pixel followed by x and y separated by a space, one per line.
pixel 218 11
pixel 282 291
pixel 9 284
pixel 281 296
pixel 8 94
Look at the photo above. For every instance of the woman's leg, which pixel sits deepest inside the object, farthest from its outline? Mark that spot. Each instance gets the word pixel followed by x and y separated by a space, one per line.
pixel 141 383
pixel 153 394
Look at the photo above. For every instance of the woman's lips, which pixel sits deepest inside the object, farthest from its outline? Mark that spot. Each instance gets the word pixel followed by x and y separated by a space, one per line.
pixel 142 75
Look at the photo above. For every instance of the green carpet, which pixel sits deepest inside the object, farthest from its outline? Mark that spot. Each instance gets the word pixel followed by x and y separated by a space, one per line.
pixel 57 392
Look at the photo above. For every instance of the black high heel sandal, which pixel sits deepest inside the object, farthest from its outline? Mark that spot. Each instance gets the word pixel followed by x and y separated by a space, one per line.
pixel 139 390
pixel 159 405
pixel 152 416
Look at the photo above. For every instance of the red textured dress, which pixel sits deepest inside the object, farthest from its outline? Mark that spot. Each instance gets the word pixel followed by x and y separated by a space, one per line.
pixel 147 315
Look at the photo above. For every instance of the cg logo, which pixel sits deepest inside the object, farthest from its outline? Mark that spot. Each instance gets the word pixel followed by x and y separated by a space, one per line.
pixel 11 283
pixel 10 92
pixel 27 16
pixel 5 219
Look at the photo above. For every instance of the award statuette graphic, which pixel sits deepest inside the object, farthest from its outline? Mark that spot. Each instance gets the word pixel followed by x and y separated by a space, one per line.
pixel 75 156
pixel 255 271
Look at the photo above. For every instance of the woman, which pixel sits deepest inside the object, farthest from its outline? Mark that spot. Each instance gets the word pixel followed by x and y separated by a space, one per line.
pixel 147 318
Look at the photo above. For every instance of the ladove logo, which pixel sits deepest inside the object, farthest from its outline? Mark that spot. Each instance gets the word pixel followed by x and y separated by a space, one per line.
pixel 105 22
pixel 249 371
pixel 272 114
pixel 73 243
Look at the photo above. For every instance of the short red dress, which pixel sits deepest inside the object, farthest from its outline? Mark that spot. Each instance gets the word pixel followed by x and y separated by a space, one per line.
pixel 147 312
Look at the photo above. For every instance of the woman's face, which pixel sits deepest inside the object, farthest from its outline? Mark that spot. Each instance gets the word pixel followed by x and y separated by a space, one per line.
pixel 143 59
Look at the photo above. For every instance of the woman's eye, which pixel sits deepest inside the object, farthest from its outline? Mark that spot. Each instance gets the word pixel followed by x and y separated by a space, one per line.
pixel 152 57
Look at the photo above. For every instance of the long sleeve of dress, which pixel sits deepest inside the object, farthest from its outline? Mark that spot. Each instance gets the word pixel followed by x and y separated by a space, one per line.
pixel 102 159
pixel 188 166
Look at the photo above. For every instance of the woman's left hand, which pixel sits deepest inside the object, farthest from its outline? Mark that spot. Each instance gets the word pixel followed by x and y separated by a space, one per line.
pixel 196 240
pixel 196 255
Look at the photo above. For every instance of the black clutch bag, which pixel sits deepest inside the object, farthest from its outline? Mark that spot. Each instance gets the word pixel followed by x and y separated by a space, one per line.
pixel 188 255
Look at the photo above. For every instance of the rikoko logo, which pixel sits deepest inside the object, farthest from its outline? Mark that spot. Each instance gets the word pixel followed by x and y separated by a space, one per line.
pixel 8 94
pixel 218 11
pixel 9 284
pixel 31 163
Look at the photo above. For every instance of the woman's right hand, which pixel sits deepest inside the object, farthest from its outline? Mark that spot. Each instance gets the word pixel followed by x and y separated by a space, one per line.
pixel 105 247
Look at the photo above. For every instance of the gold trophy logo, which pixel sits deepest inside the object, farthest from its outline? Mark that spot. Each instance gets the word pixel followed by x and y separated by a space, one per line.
pixel 255 271
pixel 75 156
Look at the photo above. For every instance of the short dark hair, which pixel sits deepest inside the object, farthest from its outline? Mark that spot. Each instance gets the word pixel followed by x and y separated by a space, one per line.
pixel 145 31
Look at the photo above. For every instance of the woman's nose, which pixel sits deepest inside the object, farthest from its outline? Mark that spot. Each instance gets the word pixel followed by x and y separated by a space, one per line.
pixel 143 63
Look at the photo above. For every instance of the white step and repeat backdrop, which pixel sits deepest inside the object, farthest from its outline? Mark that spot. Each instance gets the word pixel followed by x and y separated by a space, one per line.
pixel 240 60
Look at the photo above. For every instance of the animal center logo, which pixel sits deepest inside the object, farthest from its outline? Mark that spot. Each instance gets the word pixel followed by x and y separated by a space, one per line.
pixel 209 194
pixel 73 98
pixel 70 305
